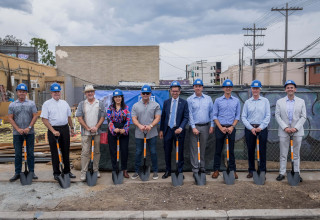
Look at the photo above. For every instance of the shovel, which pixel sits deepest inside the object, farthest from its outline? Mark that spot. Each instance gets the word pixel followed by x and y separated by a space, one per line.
pixel 117 176
pixel 145 173
pixel 177 178
pixel 26 176
pixel 228 175
pixel 91 176
pixel 259 177
pixel 199 177
pixel 293 177
pixel 63 179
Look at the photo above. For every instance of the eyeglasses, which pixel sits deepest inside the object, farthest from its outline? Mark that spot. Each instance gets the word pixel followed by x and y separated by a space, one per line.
pixel 146 93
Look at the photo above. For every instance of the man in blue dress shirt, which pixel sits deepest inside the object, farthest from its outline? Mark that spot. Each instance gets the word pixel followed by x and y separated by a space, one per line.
pixel 201 123
pixel 256 117
pixel 226 114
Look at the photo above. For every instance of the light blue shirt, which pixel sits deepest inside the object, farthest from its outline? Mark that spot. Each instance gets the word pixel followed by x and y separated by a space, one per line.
pixel 226 110
pixel 256 112
pixel 200 110
pixel 290 109
pixel 170 115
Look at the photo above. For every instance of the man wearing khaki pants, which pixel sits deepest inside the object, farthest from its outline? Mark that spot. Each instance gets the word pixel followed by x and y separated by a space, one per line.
pixel 91 113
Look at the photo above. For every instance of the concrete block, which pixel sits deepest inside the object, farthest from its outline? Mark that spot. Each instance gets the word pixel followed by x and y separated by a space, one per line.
pixel 274 214
pixel 68 215
pixel 186 214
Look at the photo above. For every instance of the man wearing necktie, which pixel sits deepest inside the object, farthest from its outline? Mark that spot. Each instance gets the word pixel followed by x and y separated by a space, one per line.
pixel 174 118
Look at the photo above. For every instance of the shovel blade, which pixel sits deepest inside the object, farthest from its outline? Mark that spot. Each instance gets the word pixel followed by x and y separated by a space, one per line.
pixel 91 178
pixel 228 177
pixel 293 178
pixel 259 179
pixel 26 178
pixel 177 179
pixel 200 178
pixel 64 181
pixel 117 177
pixel 144 173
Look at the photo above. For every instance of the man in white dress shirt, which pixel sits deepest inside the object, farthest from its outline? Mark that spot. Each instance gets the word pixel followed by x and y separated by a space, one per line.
pixel 56 115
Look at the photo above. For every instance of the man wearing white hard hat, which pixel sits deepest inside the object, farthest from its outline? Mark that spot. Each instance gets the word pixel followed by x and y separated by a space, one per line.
pixel 90 114
pixel 290 115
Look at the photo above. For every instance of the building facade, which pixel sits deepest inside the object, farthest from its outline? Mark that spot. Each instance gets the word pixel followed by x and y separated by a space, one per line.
pixel 209 72
pixel 267 73
pixel 106 65
pixel 314 73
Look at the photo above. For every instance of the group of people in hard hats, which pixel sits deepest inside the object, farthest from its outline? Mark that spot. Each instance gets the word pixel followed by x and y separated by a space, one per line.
pixel 199 112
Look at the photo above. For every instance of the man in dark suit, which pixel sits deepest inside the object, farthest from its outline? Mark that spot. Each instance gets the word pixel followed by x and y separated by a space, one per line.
pixel 174 118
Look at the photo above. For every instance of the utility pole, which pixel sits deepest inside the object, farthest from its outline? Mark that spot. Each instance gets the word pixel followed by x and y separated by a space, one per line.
pixel 202 62
pixel 284 77
pixel 242 64
pixel 254 46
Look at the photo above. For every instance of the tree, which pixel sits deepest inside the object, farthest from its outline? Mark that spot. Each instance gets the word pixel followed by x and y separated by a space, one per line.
pixel 43 49
pixel 11 40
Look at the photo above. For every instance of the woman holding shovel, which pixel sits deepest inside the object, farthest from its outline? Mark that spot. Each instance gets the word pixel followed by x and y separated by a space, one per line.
pixel 118 117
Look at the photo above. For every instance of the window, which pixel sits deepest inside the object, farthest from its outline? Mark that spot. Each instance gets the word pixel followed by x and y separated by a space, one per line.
pixel 317 60
pixel 317 70
pixel 211 74
pixel 211 81
pixel 307 60
pixel 197 68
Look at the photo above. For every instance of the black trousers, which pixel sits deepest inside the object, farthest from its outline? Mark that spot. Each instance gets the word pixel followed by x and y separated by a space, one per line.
pixel 251 145
pixel 124 150
pixel 220 141
pixel 64 144
pixel 168 143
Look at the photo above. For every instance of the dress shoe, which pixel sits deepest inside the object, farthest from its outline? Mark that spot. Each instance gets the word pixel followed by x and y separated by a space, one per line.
pixel 215 174
pixel 34 176
pixel 72 175
pixel 301 179
pixel 15 177
pixel 166 175
pixel 250 175
pixel 280 177
pixel 125 174
pixel 55 176
pixel 235 175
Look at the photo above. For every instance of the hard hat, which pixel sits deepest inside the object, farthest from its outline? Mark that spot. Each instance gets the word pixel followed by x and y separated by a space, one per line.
pixel 198 82
pixel 22 86
pixel 117 92
pixel 145 88
pixel 55 87
pixel 227 82
pixel 290 82
pixel 256 84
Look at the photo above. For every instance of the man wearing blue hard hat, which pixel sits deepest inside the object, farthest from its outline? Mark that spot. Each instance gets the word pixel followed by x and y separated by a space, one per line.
pixel 56 116
pixel 22 115
pixel 226 114
pixel 256 117
pixel 91 114
pixel 291 115
pixel 174 118
pixel 201 123
pixel 145 116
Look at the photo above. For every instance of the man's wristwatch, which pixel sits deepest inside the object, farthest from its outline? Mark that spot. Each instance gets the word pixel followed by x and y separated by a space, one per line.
pixel 29 127
pixel 151 125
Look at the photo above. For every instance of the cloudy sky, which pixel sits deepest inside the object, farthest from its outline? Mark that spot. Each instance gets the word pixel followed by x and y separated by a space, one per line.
pixel 185 30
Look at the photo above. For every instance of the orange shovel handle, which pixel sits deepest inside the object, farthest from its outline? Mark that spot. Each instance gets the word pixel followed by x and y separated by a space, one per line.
pixel 25 150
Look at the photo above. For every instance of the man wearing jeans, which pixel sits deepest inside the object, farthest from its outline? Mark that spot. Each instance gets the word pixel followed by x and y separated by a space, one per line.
pixel 145 116
pixel 22 116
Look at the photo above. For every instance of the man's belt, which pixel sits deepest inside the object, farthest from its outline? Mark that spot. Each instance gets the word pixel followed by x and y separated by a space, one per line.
pixel 255 125
pixel 200 125
pixel 227 125
pixel 60 126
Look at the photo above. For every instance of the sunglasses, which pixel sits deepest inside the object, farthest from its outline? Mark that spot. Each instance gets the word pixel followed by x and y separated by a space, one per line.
pixel 146 93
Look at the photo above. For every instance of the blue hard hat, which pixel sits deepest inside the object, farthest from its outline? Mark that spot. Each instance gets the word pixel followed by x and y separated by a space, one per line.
pixel 175 83
pixel 22 86
pixel 198 82
pixel 55 87
pixel 256 84
pixel 290 82
pixel 117 92
pixel 145 88
pixel 227 82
